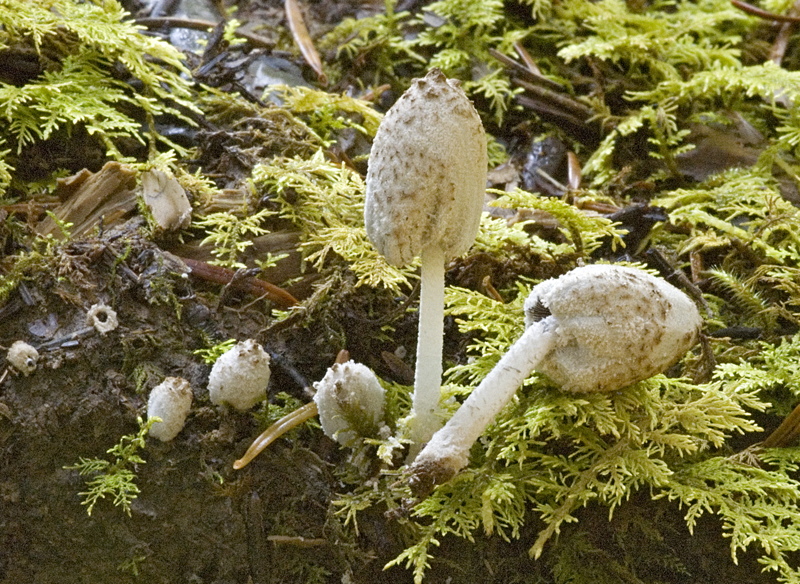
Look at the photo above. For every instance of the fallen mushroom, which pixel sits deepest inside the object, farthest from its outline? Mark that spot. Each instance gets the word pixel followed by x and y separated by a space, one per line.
pixel 349 400
pixel 597 328
pixel 425 188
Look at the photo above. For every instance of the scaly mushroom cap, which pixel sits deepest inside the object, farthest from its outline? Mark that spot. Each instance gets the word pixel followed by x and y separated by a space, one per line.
pixel 240 376
pixel 350 403
pixel 171 401
pixel 427 172
pixel 616 326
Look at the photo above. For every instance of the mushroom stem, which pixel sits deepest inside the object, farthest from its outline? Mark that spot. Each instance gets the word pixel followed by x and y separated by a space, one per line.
pixel 448 451
pixel 425 419
pixel 279 428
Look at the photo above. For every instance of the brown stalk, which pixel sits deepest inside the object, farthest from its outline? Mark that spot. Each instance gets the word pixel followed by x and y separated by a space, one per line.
pixel 526 72
pixel 761 13
pixel 256 286
pixel 786 433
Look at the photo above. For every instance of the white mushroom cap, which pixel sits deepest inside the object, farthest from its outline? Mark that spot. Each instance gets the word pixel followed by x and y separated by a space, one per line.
pixel 170 401
pixel 240 376
pixel 350 403
pixel 427 172
pixel 597 328
pixel 616 326
pixel 23 357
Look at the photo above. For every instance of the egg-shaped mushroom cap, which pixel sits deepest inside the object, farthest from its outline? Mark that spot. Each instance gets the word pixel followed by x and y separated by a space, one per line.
pixel 170 401
pixel 350 403
pixel 616 326
pixel 427 172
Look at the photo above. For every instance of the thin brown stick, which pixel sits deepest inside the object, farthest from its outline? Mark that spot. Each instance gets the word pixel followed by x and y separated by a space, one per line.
pixel 523 70
pixel 561 100
pixel 761 13
pixel 220 275
pixel 300 34
pixel 195 24
pixel 786 433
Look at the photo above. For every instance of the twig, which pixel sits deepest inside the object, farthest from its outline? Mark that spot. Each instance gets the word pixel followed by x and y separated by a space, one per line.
pixel 220 275
pixel 525 71
pixel 303 39
pixel 761 13
pixel 786 433
pixel 195 24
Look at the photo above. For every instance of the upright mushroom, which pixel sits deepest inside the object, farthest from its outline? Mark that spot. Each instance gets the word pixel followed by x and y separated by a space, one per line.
pixel 425 188
pixel 597 328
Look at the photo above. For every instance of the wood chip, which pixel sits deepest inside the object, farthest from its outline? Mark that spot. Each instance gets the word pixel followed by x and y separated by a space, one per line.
pixel 89 197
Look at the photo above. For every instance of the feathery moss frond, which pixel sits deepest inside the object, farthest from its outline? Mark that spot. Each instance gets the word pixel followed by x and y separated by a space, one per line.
pixel 78 46
pixel 745 297
pixel 328 209
pixel 231 234
pixel 115 477
pixel 586 232
pixel 325 111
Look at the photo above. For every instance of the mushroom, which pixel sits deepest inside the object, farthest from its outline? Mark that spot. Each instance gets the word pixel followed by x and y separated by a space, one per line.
pixel 240 376
pixel 596 328
pixel 170 402
pixel 103 318
pixel 349 400
pixel 23 357
pixel 425 189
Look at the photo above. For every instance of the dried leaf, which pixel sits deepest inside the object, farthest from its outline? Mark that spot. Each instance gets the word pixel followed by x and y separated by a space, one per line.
pixel 303 40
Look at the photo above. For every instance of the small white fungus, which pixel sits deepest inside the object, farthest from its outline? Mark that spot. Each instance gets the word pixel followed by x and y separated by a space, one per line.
pixel 171 401
pixel 23 357
pixel 240 376
pixel 102 318
pixel 350 403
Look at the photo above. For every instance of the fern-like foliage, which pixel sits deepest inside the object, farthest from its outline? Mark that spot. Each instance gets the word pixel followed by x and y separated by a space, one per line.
pixel 657 45
pixel 584 231
pixel 773 371
pixel 114 477
pixel 78 45
pixel 327 112
pixel 380 37
pixel 458 43
pixel 231 234
pixel 745 298
pixel 677 63
pixel 743 210
pixel 758 506
pixel 327 205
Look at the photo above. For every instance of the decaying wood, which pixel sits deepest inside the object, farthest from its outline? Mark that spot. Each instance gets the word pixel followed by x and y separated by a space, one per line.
pixel 89 197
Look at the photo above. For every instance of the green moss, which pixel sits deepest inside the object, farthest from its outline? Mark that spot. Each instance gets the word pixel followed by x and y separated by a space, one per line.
pixel 77 47
pixel 459 45
pixel 114 478
pixel 327 206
